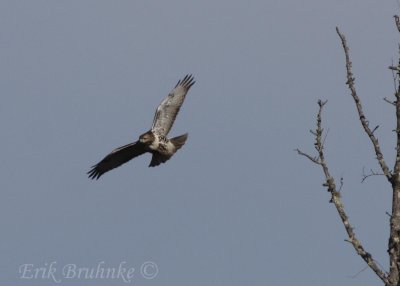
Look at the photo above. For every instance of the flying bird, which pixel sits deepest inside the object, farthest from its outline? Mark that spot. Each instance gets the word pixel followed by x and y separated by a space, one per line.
pixel 155 140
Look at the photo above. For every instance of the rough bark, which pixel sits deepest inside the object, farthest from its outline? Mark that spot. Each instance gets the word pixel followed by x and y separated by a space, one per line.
pixel 336 200
pixel 394 240
pixel 391 277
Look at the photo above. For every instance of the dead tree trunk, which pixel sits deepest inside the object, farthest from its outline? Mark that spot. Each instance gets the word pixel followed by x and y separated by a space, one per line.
pixel 390 277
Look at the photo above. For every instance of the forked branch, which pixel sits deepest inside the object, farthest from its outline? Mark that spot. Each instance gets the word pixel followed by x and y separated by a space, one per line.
pixel 335 197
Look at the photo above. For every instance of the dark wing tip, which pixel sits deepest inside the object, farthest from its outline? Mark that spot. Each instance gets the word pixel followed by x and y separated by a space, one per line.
pixel 116 158
pixel 94 173
pixel 187 81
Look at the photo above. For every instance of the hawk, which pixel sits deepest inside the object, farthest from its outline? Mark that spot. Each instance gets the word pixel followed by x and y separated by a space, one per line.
pixel 155 140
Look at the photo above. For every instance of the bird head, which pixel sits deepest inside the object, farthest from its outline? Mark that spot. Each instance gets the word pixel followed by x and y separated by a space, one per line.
pixel 146 138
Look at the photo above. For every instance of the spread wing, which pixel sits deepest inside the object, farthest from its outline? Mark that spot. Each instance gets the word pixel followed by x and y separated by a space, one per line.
pixel 169 107
pixel 116 158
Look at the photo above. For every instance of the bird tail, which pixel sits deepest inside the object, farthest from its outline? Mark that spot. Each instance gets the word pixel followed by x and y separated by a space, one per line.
pixel 158 158
pixel 179 141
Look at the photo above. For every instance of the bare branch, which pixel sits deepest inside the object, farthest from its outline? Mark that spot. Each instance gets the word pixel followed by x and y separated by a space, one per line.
pixel 336 200
pixel 312 159
pixel 394 240
pixel 372 173
pixel 376 127
pixel 364 121
pixel 355 275
pixel 389 101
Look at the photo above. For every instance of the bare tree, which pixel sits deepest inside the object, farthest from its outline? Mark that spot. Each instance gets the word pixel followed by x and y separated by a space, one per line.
pixel 390 277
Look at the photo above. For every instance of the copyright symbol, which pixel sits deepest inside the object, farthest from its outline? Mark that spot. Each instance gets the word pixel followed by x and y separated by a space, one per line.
pixel 149 270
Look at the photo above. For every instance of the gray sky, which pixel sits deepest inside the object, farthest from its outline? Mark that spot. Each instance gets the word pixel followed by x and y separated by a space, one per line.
pixel 236 206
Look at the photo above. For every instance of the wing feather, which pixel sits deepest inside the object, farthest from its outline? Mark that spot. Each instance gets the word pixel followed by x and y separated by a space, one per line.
pixel 169 107
pixel 158 158
pixel 116 158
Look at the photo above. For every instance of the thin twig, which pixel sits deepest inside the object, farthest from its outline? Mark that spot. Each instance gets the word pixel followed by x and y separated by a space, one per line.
pixel 389 101
pixel 373 130
pixel 372 173
pixel 355 275
pixel 341 184
pixel 312 159
pixel 326 135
